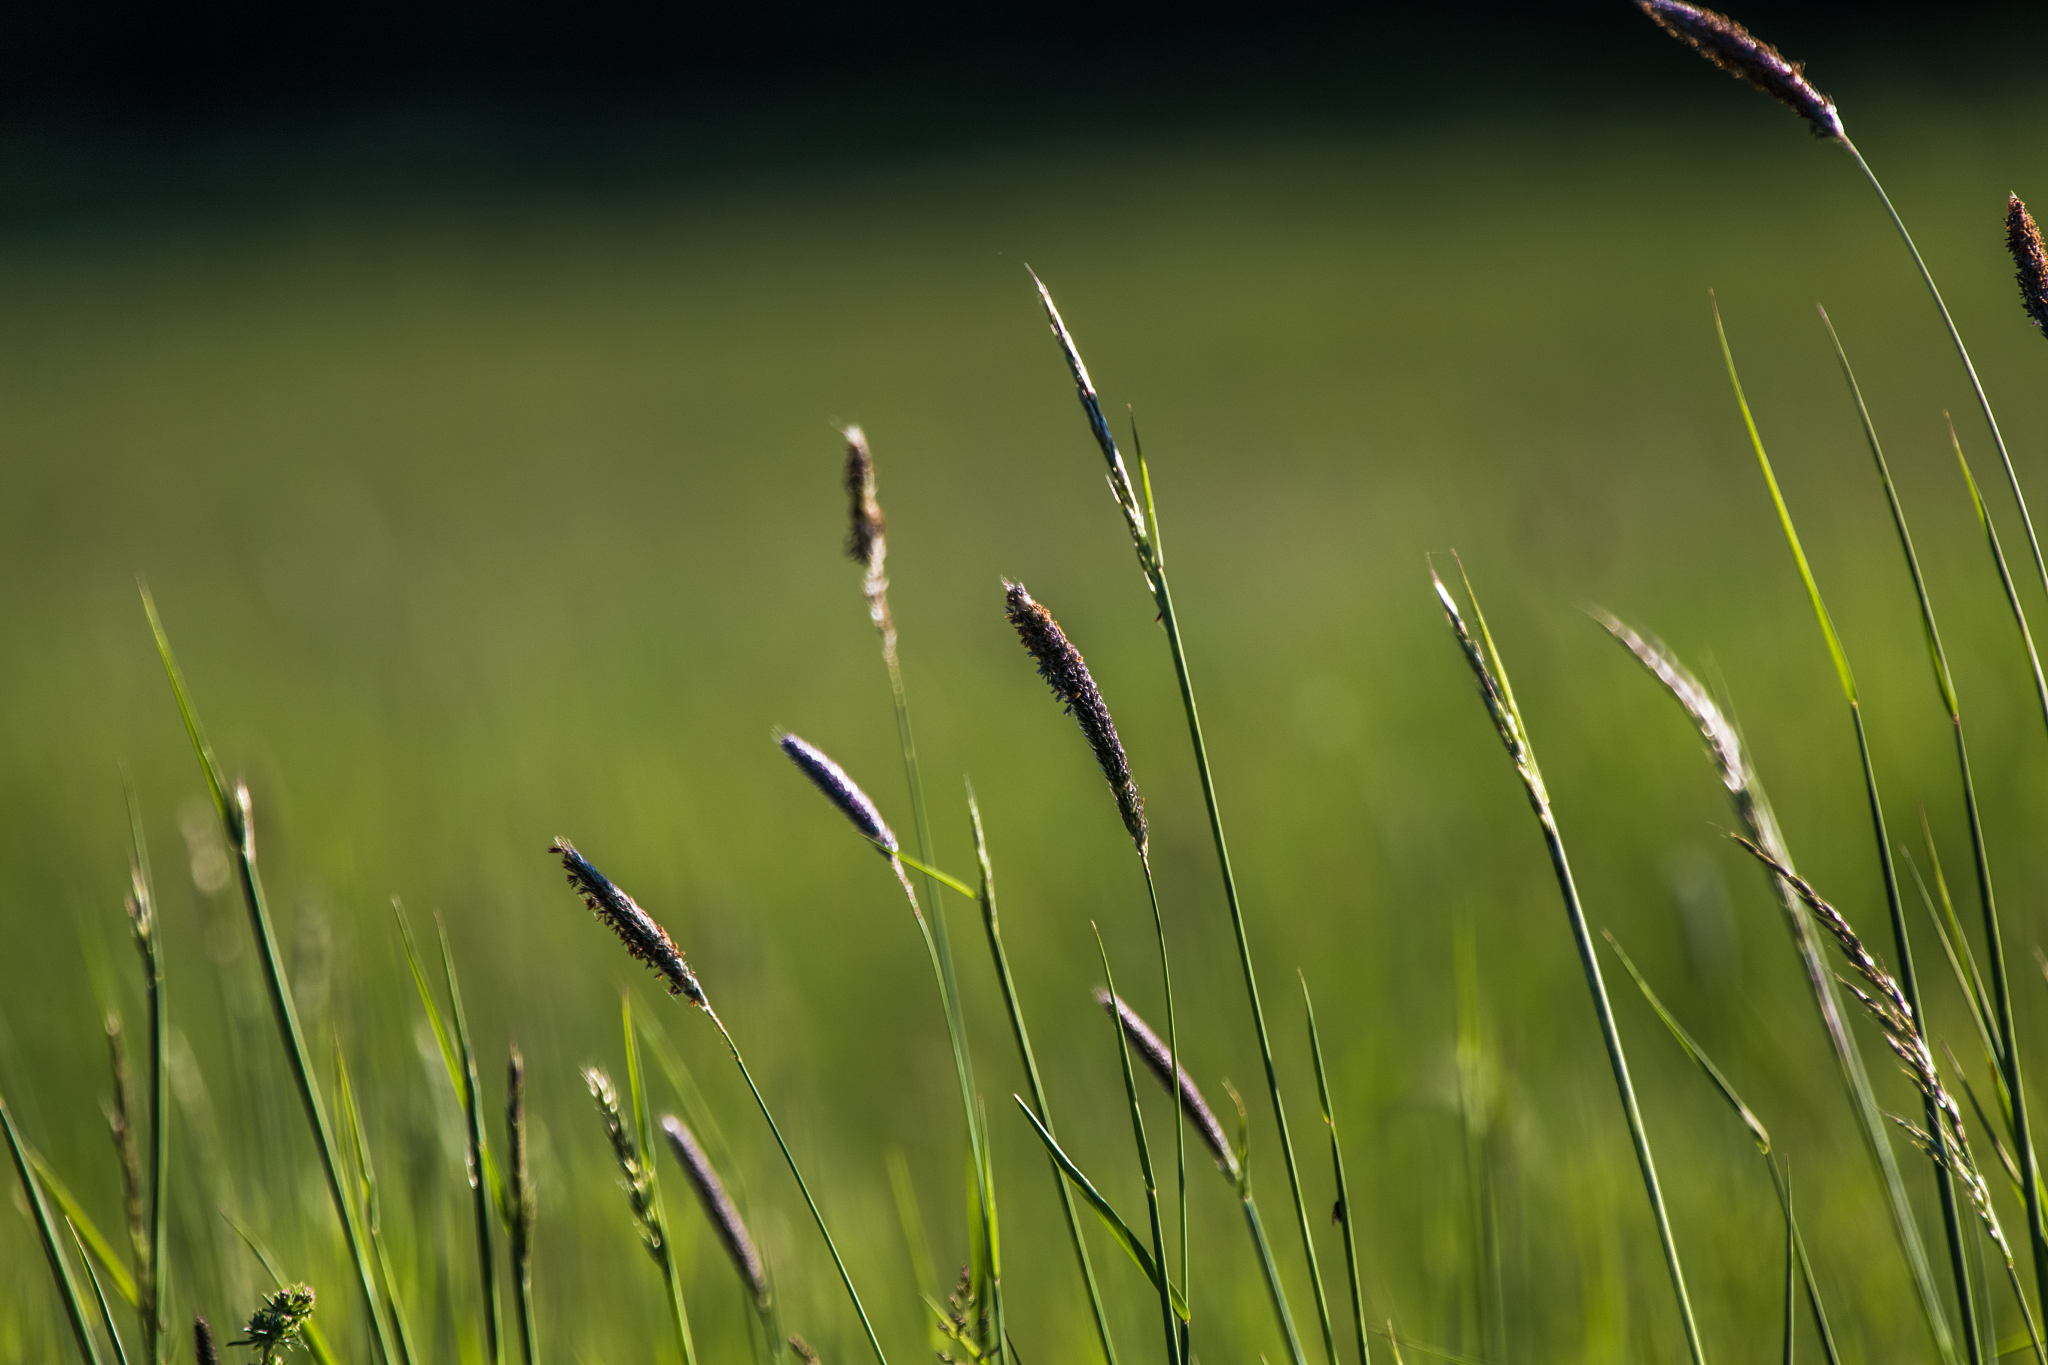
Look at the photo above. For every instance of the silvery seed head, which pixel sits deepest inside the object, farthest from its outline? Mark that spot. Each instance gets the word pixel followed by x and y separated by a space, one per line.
pixel 1741 53
pixel 839 789
pixel 644 939
pixel 1066 672
pixel 1159 1061
pixel 718 1205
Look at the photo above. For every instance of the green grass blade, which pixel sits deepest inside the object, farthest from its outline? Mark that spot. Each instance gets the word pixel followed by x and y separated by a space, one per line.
pixel 2012 596
pixel 100 1296
pixel 1119 1231
pixel 60 1271
pixel 1494 691
pixel 235 822
pixel 126 1286
pixel 1692 1049
pixel 486 1191
pixel 643 1133
pixel 520 1205
pixel 373 1222
pixel 985 897
pixel 1345 1211
pixel 148 943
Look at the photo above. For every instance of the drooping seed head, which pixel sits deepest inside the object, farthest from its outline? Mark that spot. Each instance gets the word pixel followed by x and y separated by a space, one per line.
pixel 718 1206
pixel 635 1172
pixel 2023 238
pixel 1066 672
pixel 644 939
pixel 839 789
pixel 1159 1061
pixel 1741 53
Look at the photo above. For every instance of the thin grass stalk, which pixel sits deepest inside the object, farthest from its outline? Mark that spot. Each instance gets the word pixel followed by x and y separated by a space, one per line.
pixel 60 1270
pixel 643 1130
pixel 1145 542
pixel 819 1218
pixel 1174 1338
pixel 2012 597
pixel 154 1304
pixel 1753 809
pixel 992 925
pixel 100 1296
pixel 373 1218
pixel 234 812
pixel 1344 1209
pixel 868 546
pixel 481 1192
pixel 1951 1216
pixel 520 1205
pixel 1507 718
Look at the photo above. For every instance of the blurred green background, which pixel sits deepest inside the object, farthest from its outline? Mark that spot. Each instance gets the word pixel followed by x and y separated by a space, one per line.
pixel 487 514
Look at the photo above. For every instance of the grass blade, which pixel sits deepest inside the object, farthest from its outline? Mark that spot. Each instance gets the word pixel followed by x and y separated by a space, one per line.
pixel 520 1206
pixel 643 1132
pixel 1484 660
pixel 154 1306
pixel 1344 1207
pixel 373 1222
pixel 316 1340
pixel 992 925
pixel 100 1296
pixel 486 1193
pixel 234 816
pixel 126 1287
pixel 60 1271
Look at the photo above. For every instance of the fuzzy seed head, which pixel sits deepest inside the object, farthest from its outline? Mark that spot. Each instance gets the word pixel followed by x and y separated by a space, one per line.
pixel 2023 238
pixel 718 1206
pixel 1066 672
pixel 1741 53
pixel 202 1341
pixel 831 779
pixel 645 940
pixel 635 1172
pixel 1159 1061
pixel 277 1325
pixel 865 540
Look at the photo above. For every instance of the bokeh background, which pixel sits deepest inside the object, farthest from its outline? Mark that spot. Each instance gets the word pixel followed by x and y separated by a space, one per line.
pixel 465 388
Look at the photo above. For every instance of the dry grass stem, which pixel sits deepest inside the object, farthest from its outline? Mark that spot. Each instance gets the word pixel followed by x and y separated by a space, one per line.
pixel 718 1206
pixel 645 940
pixel 1742 54
pixel 2029 258
pixel 1152 1052
pixel 1063 668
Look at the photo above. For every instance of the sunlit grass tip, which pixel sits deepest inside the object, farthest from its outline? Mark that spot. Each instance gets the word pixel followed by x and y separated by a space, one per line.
pixel 1152 1052
pixel 841 790
pixel 1741 53
pixel 1066 672
pixel 2029 258
pixel 636 1172
pixel 645 940
pixel 718 1205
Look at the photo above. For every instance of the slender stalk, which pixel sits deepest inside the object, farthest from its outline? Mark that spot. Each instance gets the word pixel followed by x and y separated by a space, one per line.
pixel 100 1296
pixel 991 924
pixel 1173 1336
pixel 2012 596
pixel 1180 1134
pixel 643 1134
pixel 1344 1209
pixel 520 1204
pixel 234 812
pixel 1507 718
pixel 1145 541
pixel 142 915
pixel 816 1216
pixel 60 1271
pixel 373 1218
pixel 480 1171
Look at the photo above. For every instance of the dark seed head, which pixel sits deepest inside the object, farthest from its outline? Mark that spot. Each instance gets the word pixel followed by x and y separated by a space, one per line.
pixel 865 543
pixel 1159 1062
pixel 839 789
pixel 2023 237
pixel 644 939
pixel 1741 53
pixel 718 1206
pixel 1063 669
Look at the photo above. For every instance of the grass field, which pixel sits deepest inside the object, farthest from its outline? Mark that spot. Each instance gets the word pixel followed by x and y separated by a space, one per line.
pixel 479 521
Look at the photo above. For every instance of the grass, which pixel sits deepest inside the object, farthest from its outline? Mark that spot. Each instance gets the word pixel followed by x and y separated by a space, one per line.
pixel 408 648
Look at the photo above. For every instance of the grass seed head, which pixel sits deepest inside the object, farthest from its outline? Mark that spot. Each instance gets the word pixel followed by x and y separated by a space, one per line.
pixel 1741 53
pixel 635 1172
pixel 644 939
pixel 804 1350
pixel 1153 1052
pixel 718 1206
pixel 202 1341
pixel 2023 237
pixel 866 541
pixel 276 1326
pixel 519 1194
pixel 1066 672
pixel 839 789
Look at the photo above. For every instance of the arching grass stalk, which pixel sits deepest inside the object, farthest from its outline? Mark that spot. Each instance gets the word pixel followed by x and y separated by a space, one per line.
pixel 1758 1134
pixel 1345 1212
pixel 991 924
pixel 1499 697
pixel 234 811
pixel 1753 809
pixel 1142 522
pixel 855 804
pixel 648 942
pixel 867 544
pixel 1908 979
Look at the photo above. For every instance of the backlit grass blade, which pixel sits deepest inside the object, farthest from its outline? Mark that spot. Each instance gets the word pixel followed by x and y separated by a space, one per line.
pixel 1484 660
pixel 100 1297
pixel 484 1186
pixel 643 1131
pixel 1345 1211
pixel 126 1286
pixel 373 1221
pixel 142 916
pixel 316 1340
pixel 234 813
pixel 60 1270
